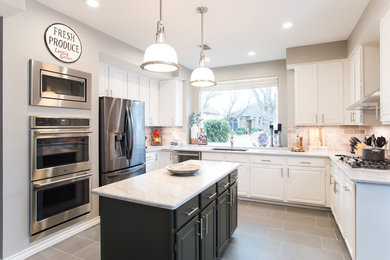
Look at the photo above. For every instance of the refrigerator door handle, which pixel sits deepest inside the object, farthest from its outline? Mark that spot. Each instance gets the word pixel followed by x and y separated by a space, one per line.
pixel 128 133
pixel 131 145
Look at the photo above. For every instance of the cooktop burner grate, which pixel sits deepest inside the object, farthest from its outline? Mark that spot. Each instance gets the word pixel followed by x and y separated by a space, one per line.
pixel 358 162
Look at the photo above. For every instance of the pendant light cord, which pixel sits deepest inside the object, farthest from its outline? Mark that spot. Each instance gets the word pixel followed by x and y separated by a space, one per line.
pixel 201 62
pixel 160 10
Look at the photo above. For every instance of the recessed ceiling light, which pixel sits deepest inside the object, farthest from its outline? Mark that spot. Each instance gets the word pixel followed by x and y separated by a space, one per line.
pixel 287 25
pixel 251 53
pixel 93 3
pixel 207 59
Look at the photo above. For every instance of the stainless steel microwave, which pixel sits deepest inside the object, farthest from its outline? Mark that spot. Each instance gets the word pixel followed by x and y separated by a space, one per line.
pixel 56 86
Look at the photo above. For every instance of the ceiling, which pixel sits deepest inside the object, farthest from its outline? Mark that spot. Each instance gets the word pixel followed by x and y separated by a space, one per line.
pixel 232 28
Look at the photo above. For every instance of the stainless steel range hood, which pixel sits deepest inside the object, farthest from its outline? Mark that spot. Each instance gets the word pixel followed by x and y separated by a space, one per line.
pixel 372 101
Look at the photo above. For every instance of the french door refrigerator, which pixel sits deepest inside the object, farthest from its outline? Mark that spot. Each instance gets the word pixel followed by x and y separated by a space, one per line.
pixel 121 139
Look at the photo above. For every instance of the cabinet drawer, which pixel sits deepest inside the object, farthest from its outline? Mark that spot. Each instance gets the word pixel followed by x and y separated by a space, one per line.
pixel 213 156
pixel 223 184
pixel 241 158
pixel 266 159
pixel 208 196
pixel 303 161
pixel 187 211
pixel 233 177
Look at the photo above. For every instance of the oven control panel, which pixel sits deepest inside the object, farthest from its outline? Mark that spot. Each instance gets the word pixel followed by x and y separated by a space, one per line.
pixel 57 122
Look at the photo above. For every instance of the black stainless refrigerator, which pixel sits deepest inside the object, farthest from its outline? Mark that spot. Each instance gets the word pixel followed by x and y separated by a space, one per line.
pixel 121 139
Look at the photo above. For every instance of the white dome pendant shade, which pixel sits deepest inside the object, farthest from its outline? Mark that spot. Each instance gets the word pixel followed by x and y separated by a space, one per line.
pixel 160 57
pixel 202 76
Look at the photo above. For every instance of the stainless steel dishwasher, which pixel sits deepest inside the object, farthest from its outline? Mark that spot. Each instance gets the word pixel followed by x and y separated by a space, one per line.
pixel 182 156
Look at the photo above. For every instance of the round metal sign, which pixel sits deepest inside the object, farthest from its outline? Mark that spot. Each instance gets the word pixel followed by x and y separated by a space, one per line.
pixel 63 43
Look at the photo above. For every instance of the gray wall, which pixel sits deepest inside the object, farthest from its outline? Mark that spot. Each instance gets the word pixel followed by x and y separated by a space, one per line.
pixel 257 70
pixel 23 40
pixel 367 29
pixel 316 52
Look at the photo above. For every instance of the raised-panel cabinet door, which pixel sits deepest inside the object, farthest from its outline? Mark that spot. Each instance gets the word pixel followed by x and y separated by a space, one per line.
pixel 154 102
pixel 132 86
pixel 349 215
pixel 208 244
pixel 233 208
pixel 223 222
pixel 331 90
pixel 187 240
pixel 144 96
pixel 306 185
pixel 103 80
pixel 243 175
pixel 117 82
pixel 385 68
pixel 266 182
pixel 171 103
pixel 306 95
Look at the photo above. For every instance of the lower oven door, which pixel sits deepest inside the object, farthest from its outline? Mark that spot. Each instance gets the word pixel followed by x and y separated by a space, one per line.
pixel 57 200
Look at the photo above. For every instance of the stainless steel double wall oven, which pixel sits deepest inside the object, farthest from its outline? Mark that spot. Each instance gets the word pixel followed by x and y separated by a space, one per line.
pixel 60 172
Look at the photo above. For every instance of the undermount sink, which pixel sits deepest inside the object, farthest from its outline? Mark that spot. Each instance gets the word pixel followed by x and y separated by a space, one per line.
pixel 230 149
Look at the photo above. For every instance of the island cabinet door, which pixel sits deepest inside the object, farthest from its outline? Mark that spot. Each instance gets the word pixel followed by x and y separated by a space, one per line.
pixel 208 225
pixel 233 208
pixel 187 241
pixel 223 221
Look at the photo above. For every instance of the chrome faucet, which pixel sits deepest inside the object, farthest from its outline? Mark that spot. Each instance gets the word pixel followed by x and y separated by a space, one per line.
pixel 231 138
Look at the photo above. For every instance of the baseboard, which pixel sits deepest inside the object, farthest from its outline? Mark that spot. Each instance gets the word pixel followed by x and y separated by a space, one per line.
pixel 52 240
pixel 281 203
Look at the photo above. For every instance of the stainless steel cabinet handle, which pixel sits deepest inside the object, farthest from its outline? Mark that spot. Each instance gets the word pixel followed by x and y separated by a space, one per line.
pixel 207 224
pixel 226 185
pixel 305 162
pixel 193 210
pixel 37 185
pixel 281 173
pixel 201 228
pixel 288 172
pixel 212 196
pixel 266 160
pixel 316 118
pixel 346 188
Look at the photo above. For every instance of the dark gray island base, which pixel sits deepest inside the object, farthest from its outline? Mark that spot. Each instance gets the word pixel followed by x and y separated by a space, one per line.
pixel 199 229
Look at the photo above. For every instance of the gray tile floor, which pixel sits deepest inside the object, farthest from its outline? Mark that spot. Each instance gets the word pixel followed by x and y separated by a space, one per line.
pixel 265 232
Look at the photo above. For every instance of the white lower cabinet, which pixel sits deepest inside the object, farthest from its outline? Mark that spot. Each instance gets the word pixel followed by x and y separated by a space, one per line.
pixel 164 159
pixel 243 176
pixel 151 162
pixel 266 182
pixel 305 185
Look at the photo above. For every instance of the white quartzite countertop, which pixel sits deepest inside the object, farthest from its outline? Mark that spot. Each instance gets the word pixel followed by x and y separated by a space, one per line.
pixel 359 175
pixel 162 189
pixel 356 175
pixel 264 151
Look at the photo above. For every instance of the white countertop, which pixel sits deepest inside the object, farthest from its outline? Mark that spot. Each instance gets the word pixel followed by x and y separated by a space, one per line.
pixel 162 189
pixel 359 175
pixel 265 151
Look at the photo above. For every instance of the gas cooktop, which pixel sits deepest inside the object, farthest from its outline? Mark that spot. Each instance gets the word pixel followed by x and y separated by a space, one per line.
pixel 358 162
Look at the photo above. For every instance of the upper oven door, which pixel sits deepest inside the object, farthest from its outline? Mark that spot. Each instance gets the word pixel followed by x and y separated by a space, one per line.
pixel 59 151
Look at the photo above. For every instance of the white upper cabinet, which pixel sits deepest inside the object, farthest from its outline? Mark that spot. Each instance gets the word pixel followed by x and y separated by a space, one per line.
pixel 319 91
pixel 132 86
pixel 306 95
pixel 154 102
pixel 144 92
pixel 117 82
pixel 385 68
pixel 103 79
pixel 171 103
pixel 330 93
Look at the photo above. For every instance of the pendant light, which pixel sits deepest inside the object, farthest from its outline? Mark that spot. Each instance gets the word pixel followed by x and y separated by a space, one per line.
pixel 202 76
pixel 160 57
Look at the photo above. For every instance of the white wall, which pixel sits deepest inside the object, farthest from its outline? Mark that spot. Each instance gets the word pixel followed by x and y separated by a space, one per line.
pixel 257 70
pixel 23 39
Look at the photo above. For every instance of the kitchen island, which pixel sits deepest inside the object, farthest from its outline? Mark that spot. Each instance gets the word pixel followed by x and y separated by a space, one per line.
pixel 162 216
